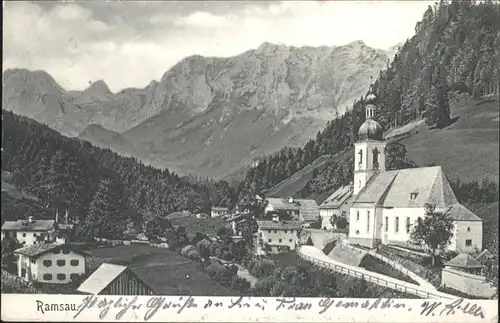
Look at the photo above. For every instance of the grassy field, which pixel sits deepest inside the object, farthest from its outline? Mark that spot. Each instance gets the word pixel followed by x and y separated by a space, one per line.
pixel 467 149
pixel 166 271
pixel 297 181
pixel 193 225
pixel 378 266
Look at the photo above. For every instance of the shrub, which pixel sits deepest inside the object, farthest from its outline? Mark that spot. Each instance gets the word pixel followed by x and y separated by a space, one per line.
pixel 261 267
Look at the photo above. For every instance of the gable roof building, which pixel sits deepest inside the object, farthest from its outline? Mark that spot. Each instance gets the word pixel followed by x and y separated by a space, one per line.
pixel 387 203
pixel 304 209
pixel 110 279
pixel 339 198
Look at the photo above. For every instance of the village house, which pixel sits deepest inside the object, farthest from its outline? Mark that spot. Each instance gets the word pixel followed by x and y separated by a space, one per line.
pixel 336 205
pixel 386 204
pixel 219 212
pixel 29 231
pixel 53 263
pixel 234 222
pixel 111 279
pixel 276 236
pixel 304 210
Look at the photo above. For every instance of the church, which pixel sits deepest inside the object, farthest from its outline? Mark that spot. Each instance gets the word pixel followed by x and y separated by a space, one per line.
pixel 386 204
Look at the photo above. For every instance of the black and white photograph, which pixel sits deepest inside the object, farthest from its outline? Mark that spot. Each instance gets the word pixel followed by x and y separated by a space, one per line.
pixel 251 149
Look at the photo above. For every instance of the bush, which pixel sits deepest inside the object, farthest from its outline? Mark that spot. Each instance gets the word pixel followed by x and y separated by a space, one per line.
pixel 241 285
pixel 263 287
pixel 261 267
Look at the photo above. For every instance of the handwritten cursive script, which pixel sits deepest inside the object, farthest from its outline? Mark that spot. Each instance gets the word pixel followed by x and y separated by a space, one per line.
pixel 433 308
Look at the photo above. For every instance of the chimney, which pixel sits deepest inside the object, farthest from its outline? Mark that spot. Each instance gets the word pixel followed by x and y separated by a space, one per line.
pixel 276 218
pixel 30 219
pixel 290 199
pixel 57 215
pixel 66 216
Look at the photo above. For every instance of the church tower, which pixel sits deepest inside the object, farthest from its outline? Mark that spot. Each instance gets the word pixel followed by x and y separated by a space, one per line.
pixel 369 155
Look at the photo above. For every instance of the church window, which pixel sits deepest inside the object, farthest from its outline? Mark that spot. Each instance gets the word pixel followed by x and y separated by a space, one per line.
pixel 397 224
pixel 360 157
pixel 413 195
pixel 468 229
pixel 360 184
pixel 357 215
pixel 407 225
pixel 368 221
pixel 386 223
pixel 468 242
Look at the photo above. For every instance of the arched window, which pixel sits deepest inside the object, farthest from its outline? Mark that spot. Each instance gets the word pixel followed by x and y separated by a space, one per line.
pixel 360 157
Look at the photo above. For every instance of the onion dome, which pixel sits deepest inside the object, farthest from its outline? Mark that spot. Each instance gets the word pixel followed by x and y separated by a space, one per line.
pixel 370 129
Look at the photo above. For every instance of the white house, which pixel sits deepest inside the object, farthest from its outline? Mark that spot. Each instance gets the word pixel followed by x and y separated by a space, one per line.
pixel 336 204
pixel 277 236
pixel 28 231
pixel 50 263
pixel 387 204
pixel 304 210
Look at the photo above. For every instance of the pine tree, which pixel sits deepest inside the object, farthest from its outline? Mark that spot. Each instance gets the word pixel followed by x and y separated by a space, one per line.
pixel 106 215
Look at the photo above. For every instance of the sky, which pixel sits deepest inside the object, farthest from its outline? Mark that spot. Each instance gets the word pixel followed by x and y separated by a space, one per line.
pixel 129 44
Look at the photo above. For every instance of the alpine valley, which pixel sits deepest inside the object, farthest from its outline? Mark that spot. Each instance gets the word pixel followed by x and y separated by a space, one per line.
pixel 207 116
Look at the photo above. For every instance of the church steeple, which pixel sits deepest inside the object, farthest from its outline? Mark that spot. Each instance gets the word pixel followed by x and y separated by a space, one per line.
pixel 370 148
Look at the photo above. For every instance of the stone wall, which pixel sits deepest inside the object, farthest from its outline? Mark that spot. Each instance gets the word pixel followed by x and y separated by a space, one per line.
pixel 473 285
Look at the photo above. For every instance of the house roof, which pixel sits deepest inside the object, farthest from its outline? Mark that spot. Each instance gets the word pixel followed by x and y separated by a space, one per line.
pixel 23 225
pixel 308 208
pixel 395 188
pixel 282 225
pixel 43 247
pixel 464 260
pixel 101 278
pixel 458 212
pixel 338 198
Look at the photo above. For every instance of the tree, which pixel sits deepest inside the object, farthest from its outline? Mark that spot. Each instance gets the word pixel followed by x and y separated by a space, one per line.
pixel 9 244
pixel 106 215
pixel 155 228
pixel 491 273
pixel 396 156
pixel 434 231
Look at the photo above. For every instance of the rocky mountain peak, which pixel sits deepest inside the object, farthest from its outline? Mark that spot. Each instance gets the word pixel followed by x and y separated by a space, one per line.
pixel 98 87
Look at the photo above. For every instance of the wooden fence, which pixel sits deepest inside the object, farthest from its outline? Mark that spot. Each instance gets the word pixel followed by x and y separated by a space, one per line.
pixel 374 278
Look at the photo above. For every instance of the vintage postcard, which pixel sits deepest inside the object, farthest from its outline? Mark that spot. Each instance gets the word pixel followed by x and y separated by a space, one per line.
pixel 250 161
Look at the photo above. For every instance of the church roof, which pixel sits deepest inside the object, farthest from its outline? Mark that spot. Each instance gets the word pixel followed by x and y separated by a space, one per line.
pixel 458 212
pixel 338 198
pixel 408 188
pixel 464 260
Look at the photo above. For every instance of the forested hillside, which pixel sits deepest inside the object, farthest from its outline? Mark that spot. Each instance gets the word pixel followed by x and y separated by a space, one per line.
pixel 455 48
pixel 102 190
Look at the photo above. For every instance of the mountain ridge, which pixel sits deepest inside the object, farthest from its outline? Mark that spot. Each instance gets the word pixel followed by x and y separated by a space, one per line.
pixel 275 95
